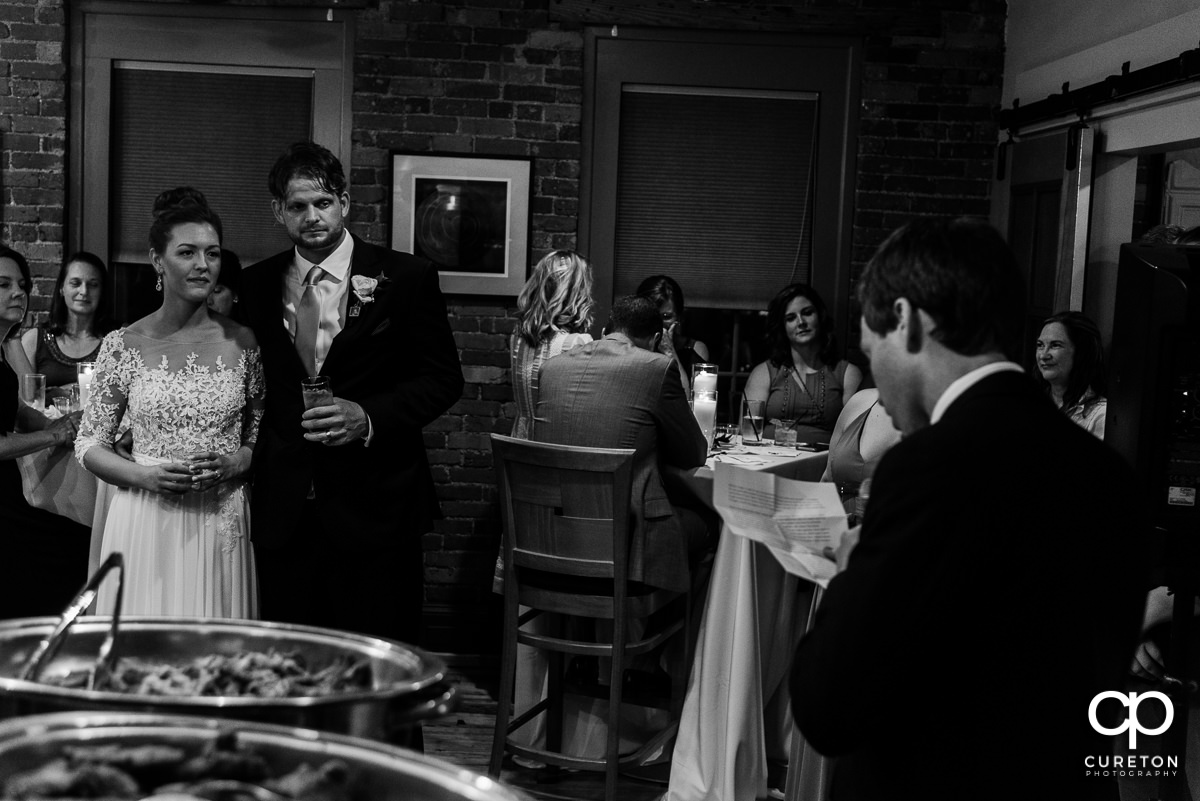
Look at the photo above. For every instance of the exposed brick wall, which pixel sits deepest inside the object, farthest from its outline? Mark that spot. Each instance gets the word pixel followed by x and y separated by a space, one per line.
pixel 504 77
pixel 33 141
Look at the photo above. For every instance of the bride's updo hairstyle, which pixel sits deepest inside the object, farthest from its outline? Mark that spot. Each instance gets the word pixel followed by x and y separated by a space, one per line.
pixel 180 206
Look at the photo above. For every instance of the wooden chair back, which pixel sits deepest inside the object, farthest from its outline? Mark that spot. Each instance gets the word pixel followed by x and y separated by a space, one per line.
pixel 565 509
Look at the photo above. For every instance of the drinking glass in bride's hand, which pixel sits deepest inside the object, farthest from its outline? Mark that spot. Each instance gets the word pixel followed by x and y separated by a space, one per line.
pixel 184 459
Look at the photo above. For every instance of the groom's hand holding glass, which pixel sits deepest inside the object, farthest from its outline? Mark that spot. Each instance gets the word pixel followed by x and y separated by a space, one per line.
pixel 327 419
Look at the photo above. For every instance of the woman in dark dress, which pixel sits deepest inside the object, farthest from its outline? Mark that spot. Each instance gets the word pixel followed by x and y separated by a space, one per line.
pixel 45 555
pixel 76 326
pixel 805 379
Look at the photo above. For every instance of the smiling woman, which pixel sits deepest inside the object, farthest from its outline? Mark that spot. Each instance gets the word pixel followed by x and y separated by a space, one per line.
pixel 77 323
pixel 1070 362
pixel 804 379
pixel 191 384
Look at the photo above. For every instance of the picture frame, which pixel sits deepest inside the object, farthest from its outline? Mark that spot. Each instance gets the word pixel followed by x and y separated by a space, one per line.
pixel 466 213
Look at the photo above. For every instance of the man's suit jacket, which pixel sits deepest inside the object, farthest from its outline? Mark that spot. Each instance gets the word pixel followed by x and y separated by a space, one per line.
pixel 394 356
pixel 997 587
pixel 612 394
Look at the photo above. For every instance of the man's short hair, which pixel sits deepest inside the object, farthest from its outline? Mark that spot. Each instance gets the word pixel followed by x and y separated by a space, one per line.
pixel 636 317
pixel 961 272
pixel 307 160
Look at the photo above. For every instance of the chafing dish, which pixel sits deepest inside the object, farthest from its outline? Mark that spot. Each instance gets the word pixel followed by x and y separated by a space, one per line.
pixel 377 771
pixel 408 684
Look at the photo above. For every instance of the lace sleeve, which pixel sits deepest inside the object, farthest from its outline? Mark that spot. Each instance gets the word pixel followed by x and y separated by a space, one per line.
pixel 256 393
pixel 108 395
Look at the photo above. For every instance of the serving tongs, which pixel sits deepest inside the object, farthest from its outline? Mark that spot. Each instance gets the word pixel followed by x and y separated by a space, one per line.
pixel 48 647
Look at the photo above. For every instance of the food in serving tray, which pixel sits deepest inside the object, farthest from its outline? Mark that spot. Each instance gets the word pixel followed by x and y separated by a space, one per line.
pixel 115 771
pixel 255 674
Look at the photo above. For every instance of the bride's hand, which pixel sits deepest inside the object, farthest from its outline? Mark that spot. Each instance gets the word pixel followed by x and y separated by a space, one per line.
pixel 169 478
pixel 210 469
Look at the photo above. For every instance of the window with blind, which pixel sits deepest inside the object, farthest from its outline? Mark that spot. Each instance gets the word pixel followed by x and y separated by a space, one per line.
pixel 726 161
pixel 224 131
pixel 715 183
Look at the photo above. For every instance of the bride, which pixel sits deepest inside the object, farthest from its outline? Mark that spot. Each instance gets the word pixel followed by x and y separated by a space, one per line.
pixel 189 383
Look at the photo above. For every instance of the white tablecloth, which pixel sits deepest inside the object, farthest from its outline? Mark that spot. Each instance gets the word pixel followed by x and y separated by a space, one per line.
pixel 736 713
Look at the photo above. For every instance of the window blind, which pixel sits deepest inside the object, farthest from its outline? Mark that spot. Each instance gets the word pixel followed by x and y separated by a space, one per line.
pixel 714 189
pixel 219 132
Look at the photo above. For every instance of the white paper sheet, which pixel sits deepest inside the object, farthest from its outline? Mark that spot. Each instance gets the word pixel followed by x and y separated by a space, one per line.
pixel 796 520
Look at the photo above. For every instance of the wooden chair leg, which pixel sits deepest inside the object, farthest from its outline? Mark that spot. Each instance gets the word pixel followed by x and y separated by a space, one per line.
pixel 612 751
pixel 556 662
pixel 504 693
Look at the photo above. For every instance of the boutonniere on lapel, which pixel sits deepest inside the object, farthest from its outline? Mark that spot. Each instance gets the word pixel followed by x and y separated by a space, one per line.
pixel 364 289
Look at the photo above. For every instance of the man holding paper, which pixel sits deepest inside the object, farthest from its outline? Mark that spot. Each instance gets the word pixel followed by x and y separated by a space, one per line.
pixel 997 585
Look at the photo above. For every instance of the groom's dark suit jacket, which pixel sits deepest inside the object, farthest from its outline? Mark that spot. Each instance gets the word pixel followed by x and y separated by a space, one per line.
pixel 997 587
pixel 396 357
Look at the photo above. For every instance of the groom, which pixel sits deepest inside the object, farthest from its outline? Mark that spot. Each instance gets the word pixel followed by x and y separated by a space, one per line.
pixel 342 493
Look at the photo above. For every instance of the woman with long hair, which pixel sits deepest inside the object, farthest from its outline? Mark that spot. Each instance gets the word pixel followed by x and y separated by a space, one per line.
pixel 804 379
pixel 192 385
pixel 78 321
pixel 1070 362
pixel 554 311
pixel 45 555
pixel 668 297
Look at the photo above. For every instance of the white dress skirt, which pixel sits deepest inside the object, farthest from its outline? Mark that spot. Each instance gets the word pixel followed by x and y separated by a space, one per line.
pixel 199 563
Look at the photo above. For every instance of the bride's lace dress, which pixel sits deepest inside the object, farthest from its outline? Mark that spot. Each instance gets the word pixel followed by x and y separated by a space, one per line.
pixel 189 554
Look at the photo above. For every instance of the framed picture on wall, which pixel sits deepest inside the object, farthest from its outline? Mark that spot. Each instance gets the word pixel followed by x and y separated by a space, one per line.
pixel 467 214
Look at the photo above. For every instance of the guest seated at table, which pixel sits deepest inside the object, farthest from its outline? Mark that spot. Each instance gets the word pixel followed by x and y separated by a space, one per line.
pixel 930 647
pixel 45 555
pixel 668 297
pixel 554 312
pixel 862 435
pixel 617 392
pixel 1070 361
pixel 224 296
pixel 77 324
pixel 804 379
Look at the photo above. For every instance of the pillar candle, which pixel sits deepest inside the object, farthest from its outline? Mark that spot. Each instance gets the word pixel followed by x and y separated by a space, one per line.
pixel 704 406
pixel 704 382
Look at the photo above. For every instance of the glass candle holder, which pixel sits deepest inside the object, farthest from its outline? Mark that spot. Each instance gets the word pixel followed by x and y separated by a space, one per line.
pixel 84 372
pixel 704 407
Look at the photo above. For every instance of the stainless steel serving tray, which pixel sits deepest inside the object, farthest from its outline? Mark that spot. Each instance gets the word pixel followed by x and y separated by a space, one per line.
pixel 409 685
pixel 379 772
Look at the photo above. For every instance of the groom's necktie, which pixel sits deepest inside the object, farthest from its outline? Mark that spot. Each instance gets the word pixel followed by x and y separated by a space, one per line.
pixel 308 320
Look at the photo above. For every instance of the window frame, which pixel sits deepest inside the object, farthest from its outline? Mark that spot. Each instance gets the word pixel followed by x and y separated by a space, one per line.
pixel 317 41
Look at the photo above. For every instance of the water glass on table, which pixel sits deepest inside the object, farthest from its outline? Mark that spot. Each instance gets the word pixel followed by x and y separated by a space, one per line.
pixel 726 435
pixel 785 433
pixel 753 420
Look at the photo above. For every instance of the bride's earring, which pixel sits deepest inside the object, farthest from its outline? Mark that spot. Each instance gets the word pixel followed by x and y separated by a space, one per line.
pixel 158 283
